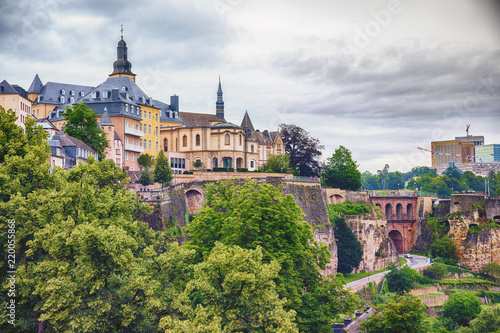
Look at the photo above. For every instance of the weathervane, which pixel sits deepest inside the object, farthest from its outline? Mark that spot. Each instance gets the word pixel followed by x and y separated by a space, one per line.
pixel 122 31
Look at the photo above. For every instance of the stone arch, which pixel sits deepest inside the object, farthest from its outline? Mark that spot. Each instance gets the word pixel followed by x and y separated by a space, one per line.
pixel 399 211
pixel 497 218
pixel 388 211
pixel 227 162
pixel 336 198
pixel 409 212
pixel 194 200
pixel 184 141
pixel 215 162
pixel 397 239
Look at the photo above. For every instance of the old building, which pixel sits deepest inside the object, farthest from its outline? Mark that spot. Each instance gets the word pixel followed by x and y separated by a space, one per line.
pixel 16 98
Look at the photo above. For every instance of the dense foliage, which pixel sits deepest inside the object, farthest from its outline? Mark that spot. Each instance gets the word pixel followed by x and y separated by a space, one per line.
pixel 304 150
pixel 445 248
pixel 252 215
pixel 400 279
pixel 488 321
pixel 387 180
pixel 277 163
pixel 462 307
pixel 341 171
pixel 81 123
pixel 162 173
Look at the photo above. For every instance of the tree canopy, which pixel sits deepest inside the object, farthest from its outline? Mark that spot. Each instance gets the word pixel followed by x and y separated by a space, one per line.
pixel 145 160
pixel 277 163
pixel 462 307
pixel 341 171
pixel 162 172
pixel 304 150
pixel 81 123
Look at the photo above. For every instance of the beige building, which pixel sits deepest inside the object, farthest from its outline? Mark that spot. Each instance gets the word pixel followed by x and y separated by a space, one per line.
pixel 15 98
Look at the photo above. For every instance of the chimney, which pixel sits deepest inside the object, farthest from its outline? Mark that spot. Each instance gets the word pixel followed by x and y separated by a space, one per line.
pixel 174 103
pixel 114 94
pixel 347 321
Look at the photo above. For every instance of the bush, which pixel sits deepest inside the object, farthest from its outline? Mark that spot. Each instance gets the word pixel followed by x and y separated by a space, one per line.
pixel 223 169
pixel 145 178
pixel 446 249
pixel 242 169
pixel 401 280
pixel 436 271
pixel 462 307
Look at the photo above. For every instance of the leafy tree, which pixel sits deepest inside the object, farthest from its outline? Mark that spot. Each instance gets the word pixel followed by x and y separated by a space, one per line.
pixel 163 172
pixel 145 160
pixel 304 151
pixel 81 123
pixel 349 249
pixel 487 321
pixel 401 280
pixel 370 181
pixel 492 269
pixel 462 307
pixel 197 164
pixel 445 248
pixel 145 178
pixel 232 291
pixel 394 181
pixel 277 163
pixel 436 271
pixel 341 171
pixel 383 175
pixel 347 208
pixel 250 215
pixel 404 313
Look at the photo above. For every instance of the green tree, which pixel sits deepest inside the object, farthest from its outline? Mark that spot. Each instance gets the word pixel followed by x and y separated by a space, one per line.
pixel 349 249
pixel 383 175
pixel 197 164
pixel 304 150
pixel 163 172
pixel 436 271
pixel 394 181
pixel 462 307
pixel 404 313
pixel 445 248
pixel 487 321
pixel 341 171
pixel 401 280
pixel 81 123
pixel 277 163
pixel 492 269
pixel 370 181
pixel 232 291
pixel 145 160
pixel 145 178
pixel 250 215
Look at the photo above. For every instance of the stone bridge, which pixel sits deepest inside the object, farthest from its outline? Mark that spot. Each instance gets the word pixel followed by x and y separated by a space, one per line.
pixel 400 213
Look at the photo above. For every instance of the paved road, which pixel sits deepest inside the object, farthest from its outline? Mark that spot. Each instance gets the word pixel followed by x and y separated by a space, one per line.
pixel 416 261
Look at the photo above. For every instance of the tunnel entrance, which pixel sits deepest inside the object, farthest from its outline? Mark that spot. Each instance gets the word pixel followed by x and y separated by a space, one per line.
pixel 397 239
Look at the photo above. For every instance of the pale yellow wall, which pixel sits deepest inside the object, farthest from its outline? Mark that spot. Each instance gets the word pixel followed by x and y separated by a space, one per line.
pixel 152 122
pixel 20 105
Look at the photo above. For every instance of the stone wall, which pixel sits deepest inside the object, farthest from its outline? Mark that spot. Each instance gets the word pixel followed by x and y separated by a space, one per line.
pixel 378 249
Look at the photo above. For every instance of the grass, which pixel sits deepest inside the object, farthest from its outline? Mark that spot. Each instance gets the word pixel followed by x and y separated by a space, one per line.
pixel 353 277
pixel 402 261
pixel 469 280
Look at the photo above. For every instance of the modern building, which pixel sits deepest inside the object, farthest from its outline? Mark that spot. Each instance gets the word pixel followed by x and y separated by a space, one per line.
pixel 456 151
pixel 488 153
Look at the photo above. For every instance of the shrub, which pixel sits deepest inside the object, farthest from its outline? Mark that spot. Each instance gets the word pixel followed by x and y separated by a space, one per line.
pixel 462 307
pixel 436 271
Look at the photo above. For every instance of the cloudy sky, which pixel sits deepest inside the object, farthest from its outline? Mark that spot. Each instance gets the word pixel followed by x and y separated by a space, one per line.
pixel 378 77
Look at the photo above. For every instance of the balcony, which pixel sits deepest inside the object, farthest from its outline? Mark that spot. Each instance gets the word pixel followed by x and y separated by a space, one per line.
pixel 133 131
pixel 136 148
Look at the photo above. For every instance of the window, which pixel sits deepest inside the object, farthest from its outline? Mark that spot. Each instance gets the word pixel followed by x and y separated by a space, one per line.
pixel 137 127
pixel 126 108
pixel 138 155
pixel 184 141
pixel 105 94
pixel 72 100
pixel 227 140
pixel 156 131
pixel 132 168
pixel 126 141
pixel 82 94
pixel 251 164
pixel 149 129
pixel 131 109
pixel 63 91
pixel 156 145
pixel 240 140
pixel 132 142
pixel 126 124
pixel 126 156
pixel 94 94
pixel 72 93
pixel 197 139
pixel 132 155
pixel 156 116
pixel 165 144
pixel 149 144
pixel 145 143
pixel 150 115
pixel 171 162
pixel 62 99
pixel 251 148
pixel 138 111
pixel 143 100
pixel 124 88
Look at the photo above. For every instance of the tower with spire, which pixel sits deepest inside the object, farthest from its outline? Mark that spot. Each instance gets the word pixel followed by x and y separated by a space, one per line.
pixel 122 67
pixel 219 105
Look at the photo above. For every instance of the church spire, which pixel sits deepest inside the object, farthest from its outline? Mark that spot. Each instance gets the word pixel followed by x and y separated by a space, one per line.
pixel 219 105
pixel 122 67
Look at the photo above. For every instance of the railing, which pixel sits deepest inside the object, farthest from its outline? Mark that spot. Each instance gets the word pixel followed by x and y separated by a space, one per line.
pixel 133 131
pixel 136 148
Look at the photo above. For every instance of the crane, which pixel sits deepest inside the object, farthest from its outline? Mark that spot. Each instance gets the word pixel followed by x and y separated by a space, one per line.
pixel 448 154
pixel 467 130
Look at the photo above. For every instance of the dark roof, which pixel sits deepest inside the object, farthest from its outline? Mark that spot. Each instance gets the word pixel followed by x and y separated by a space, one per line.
pixel 247 123
pixel 105 121
pixel 135 93
pixel 116 137
pixel 274 136
pixel 36 85
pixel 46 123
pixel 69 141
pixel 7 89
pixel 165 111
pixel 192 119
pixel 52 91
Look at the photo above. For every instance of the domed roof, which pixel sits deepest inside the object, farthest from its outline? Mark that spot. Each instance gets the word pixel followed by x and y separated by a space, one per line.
pixel 226 125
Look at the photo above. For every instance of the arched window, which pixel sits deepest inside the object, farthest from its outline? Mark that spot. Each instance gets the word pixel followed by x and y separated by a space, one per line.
pixel 197 139
pixel 184 141
pixel 227 140
pixel 240 140
pixel 165 144
pixel 72 100
pixel 215 162
pixel 62 99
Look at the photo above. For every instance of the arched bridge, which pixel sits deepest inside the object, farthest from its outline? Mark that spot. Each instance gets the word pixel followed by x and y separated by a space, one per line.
pixel 400 213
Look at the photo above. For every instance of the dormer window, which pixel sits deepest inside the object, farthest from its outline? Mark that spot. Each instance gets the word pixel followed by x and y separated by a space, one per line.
pixel 72 100
pixel 124 88
pixel 72 93
pixel 170 114
pixel 143 100
pixel 62 99
pixel 131 109
pixel 150 101
pixel 138 111
pixel 126 108
pixel 63 91
pixel 94 94
pixel 105 94
pixel 126 95
pixel 82 94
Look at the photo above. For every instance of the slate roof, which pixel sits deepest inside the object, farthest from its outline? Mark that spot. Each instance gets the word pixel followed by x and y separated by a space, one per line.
pixel 36 85
pixel 46 123
pixel 165 112
pixel 135 93
pixel 69 141
pixel 226 125
pixel 247 123
pixel 105 121
pixel 52 91
pixel 7 89
pixel 192 119
pixel 116 137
